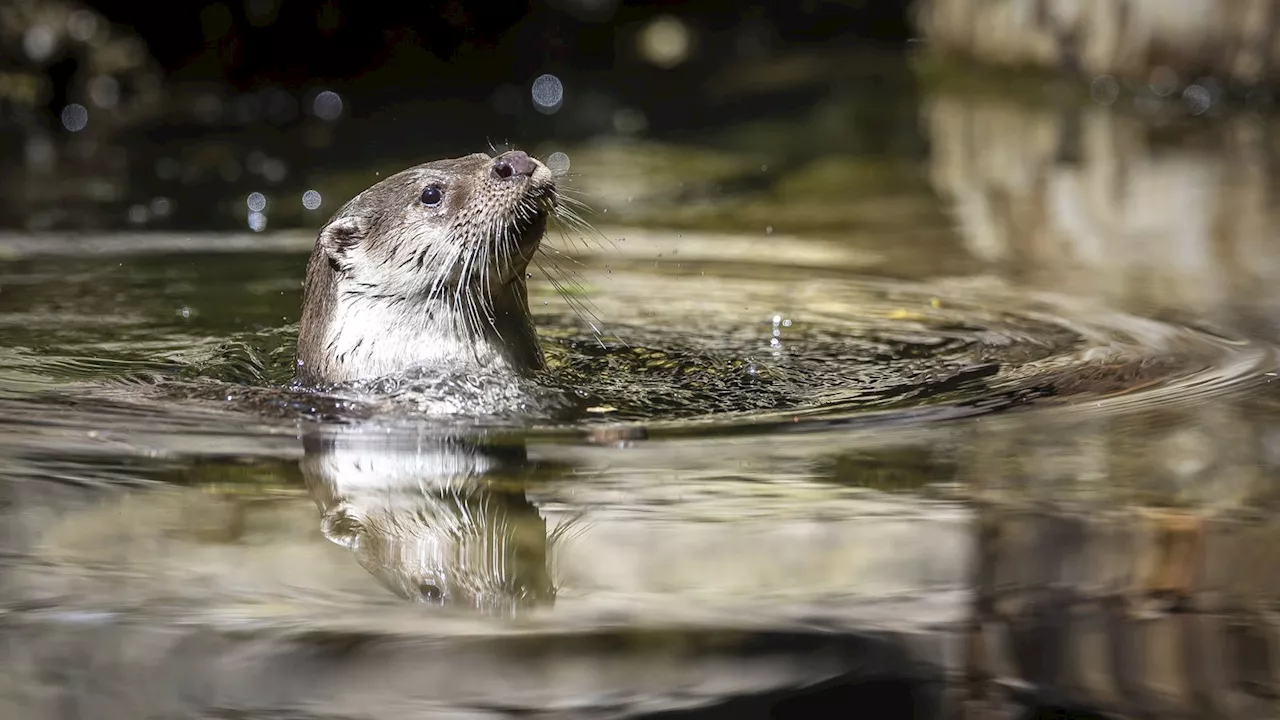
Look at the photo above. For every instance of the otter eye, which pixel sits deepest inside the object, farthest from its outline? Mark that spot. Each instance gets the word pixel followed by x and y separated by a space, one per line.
pixel 431 593
pixel 431 196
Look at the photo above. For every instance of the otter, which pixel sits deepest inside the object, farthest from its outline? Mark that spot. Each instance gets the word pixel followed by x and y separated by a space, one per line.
pixel 426 270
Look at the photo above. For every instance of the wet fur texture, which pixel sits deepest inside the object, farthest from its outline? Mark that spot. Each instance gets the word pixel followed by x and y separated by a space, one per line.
pixel 394 285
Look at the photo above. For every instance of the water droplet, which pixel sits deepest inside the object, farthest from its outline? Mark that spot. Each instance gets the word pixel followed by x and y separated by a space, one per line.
pixel 1197 98
pixel 558 162
pixel 548 93
pixel 311 200
pixel 327 105
pixel 75 117
pixel 1104 90
pixel 256 201
pixel 768 229
pixel 257 221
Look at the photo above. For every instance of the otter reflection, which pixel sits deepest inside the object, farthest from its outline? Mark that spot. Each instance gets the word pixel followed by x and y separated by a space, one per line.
pixel 435 519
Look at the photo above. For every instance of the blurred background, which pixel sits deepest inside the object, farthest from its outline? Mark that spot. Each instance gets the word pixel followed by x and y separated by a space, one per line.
pixel 166 113
pixel 1024 134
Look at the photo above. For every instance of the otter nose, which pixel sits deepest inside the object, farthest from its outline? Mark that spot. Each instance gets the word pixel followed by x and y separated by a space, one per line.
pixel 513 164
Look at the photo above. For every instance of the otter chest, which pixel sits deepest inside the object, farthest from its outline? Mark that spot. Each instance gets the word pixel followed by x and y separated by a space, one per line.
pixel 374 338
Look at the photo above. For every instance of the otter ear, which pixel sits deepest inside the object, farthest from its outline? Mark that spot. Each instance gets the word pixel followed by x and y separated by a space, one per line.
pixel 339 237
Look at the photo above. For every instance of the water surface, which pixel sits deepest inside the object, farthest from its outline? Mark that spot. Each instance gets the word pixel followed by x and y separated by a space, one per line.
pixel 849 454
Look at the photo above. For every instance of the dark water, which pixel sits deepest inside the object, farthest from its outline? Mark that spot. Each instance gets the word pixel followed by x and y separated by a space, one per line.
pixel 972 429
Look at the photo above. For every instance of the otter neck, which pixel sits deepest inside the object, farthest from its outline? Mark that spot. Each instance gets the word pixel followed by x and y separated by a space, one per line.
pixel 367 336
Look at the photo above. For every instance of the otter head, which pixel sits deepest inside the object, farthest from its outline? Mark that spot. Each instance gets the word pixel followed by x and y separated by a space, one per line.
pixel 427 268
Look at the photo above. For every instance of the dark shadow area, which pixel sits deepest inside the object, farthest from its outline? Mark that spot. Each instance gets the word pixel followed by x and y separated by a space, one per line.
pixel 264 41
pixel 1051 712
pixel 842 697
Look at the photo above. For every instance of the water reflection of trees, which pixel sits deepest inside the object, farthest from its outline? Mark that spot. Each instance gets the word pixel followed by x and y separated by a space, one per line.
pixel 435 519
pixel 1125 561
pixel 1084 200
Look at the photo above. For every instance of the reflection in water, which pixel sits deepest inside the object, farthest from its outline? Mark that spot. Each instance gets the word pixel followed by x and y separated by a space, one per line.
pixel 1092 203
pixel 1145 613
pixel 1125 561
pixel 435 519
pixel 1182 53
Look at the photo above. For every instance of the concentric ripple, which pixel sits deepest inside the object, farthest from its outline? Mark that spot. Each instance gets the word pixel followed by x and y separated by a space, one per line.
pixel 833 347
pixel 689 346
